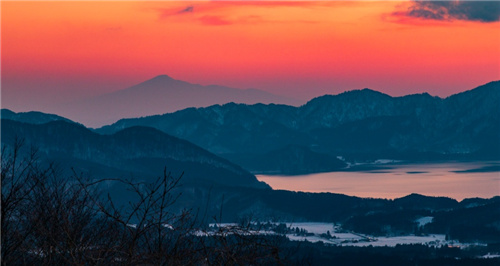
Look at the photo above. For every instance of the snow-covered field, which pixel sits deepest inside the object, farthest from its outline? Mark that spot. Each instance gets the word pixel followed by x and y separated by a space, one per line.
pixel 355 239
pixel 317 232
pixel 431 240
pixel 316 228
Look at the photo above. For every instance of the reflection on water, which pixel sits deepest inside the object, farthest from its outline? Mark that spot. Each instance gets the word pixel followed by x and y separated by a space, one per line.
pixel 455 180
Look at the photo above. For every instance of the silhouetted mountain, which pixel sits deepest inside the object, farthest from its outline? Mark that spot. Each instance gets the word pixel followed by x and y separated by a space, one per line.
pixel 479 223
pixel 222 129
pixel 292 160
pixel 421 202
pixel 160 95
pixel 137 152
pixel 215 187
pixel 32 117
pixel 361 124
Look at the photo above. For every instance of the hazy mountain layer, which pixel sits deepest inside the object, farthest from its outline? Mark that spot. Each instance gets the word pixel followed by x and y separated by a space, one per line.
pixel 32 117
pixel 159 95
pixel 137 152
pixel 291 160
pixel 362 124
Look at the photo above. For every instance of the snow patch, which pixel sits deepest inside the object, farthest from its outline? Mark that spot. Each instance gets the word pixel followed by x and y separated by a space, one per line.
pixel 424 220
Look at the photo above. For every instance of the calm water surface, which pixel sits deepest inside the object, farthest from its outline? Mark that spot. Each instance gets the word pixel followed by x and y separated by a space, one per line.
pixel 453 180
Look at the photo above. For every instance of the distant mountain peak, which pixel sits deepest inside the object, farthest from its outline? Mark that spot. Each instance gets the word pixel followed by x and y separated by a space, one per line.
pixel 364 93
pixel 160 79
pixel 160 82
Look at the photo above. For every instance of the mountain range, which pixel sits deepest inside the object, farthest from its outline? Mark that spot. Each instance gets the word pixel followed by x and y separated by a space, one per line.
pixel 354 126
pixel 214 185
pixel 357 125
pixel 139 153
pixel 161 94
pixel 32 117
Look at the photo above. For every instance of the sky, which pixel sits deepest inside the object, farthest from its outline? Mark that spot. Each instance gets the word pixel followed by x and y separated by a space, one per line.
pixel 56 52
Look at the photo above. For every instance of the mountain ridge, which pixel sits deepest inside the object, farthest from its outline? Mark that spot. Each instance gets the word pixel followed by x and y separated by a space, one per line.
pixel 158 95
pixel 356 124
pixel 125 150
pixel 31 117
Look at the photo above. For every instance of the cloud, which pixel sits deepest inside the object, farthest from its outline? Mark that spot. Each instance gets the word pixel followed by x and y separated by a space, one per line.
pixel 220 13
pixel 170 12
pixel 188 9
pixel 482 11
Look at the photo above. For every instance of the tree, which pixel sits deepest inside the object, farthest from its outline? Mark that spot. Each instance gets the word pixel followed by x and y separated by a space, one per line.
pixel 51 219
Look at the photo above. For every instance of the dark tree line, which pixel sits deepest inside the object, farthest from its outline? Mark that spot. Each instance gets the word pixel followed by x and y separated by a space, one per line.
pixel 50 219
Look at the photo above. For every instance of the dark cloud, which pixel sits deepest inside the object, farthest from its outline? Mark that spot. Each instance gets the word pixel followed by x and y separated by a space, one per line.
pixel 186 10
pixel 171 12
pixel 483 11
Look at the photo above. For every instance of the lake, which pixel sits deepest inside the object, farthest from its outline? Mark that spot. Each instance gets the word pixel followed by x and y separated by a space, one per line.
pixel 456 180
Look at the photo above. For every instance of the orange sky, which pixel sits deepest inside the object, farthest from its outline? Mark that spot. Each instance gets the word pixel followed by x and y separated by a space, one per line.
pixel 59 51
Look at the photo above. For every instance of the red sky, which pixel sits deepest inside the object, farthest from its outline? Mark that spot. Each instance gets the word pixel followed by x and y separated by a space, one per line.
pixel 53 52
